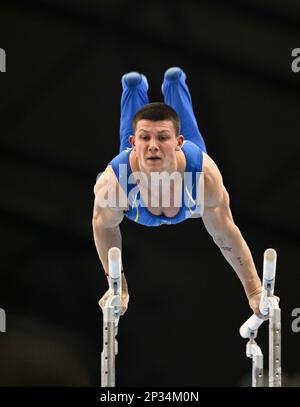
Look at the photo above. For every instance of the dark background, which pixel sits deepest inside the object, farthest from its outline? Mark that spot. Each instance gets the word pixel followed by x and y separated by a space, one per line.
pixel 59 122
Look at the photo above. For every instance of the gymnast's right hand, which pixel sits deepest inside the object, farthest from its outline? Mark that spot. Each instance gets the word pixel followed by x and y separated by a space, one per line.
pixel 124 300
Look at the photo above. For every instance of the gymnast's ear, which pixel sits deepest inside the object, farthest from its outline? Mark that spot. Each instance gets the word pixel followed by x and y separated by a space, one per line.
pixel 180 140
pixel 132 141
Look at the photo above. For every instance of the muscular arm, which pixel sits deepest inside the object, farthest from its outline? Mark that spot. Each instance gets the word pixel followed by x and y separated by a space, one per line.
pixel 106 221
pixel 220 225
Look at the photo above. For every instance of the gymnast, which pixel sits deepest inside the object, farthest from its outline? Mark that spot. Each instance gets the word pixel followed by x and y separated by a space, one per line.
pixel 163 176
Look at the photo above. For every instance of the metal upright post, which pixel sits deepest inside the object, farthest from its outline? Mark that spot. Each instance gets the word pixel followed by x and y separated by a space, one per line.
pixel 111 315
pixel 270 309
pixel 254 352
pixel 275 345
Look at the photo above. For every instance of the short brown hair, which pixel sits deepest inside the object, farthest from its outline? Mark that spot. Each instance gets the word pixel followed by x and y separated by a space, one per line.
pixel 157 111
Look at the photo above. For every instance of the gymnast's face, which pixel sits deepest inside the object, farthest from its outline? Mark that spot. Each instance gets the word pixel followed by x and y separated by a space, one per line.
pixel 155 144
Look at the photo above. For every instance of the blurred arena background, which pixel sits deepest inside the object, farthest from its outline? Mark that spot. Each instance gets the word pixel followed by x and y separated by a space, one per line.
pixel 59 123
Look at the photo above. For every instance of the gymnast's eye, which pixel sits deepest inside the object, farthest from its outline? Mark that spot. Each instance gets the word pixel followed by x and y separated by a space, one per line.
pixel 163 137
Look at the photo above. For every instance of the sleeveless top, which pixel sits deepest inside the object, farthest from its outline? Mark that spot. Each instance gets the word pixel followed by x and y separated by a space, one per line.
pixel 137 210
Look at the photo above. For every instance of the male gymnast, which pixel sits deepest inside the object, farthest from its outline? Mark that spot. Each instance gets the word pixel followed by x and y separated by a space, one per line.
pixel 164 139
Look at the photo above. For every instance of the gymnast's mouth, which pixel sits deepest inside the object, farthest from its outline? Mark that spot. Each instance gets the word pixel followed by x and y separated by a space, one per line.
pixel 153 158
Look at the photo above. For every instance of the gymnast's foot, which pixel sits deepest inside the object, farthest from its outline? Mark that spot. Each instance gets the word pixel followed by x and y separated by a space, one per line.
pixel 134 79
pixel 173 73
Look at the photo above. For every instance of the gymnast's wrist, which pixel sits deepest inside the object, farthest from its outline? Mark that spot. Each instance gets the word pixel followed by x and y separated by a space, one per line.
pixel 254 292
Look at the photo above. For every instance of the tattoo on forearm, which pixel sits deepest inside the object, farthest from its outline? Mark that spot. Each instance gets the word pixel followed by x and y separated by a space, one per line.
pixel 240 261
pixel 226 248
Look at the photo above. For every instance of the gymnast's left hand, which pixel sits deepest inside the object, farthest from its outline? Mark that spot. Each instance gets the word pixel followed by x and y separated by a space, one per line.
pixel 254 302
pixel 124 300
